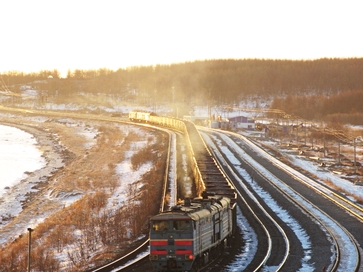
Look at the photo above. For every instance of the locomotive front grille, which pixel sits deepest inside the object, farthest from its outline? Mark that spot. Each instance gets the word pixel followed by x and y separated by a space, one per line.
pixel 171 264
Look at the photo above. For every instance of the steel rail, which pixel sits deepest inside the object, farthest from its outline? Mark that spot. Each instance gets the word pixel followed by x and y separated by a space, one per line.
pixel 316 186
pixel 293 200
pixel 219 160
pixel 289 195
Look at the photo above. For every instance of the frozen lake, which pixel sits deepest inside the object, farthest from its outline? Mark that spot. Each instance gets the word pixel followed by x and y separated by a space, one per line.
pixel 18 154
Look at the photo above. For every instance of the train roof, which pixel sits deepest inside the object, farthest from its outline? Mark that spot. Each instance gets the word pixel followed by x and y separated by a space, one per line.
pixel 188 210
pixel 144 112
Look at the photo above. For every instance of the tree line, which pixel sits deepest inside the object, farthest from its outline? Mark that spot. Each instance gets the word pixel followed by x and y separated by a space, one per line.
pixel 344 107
pixel 216 82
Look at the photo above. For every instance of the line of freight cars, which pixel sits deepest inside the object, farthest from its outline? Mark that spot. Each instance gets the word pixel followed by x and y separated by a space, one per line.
pixel 190 235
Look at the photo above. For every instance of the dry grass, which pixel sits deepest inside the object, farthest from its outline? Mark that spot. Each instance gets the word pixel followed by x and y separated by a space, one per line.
pixel 329 183
pixel 86 225
pixel 347 155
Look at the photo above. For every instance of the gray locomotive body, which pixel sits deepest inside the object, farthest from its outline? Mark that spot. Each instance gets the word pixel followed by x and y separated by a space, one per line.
pixel 188 236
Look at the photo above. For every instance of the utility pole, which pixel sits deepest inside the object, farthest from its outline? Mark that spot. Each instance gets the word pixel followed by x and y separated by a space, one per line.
pixel 305 133
pixel 355 159
pixel 324 142
pixel 29 246
pixel 339 151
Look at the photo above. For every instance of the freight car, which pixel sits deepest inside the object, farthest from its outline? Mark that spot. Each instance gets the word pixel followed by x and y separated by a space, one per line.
pixel 190 235
pixel 152 118
pixel 140 116
pixel 206 173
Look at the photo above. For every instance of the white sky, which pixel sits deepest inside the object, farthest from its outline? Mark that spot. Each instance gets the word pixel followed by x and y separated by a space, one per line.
pixel 89 34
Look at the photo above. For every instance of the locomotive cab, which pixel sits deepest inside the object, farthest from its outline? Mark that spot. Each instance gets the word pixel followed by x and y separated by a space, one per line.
pixel 171 242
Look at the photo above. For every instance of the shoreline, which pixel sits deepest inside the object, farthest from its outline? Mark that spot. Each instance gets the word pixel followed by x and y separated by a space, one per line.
pixel 21 204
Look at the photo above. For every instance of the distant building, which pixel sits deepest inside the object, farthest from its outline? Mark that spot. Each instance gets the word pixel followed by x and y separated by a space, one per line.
pixel 223 124
pixel 217 122
pixel 241 122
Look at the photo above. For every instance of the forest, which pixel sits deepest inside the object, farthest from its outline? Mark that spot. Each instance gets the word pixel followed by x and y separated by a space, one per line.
pixel 328 89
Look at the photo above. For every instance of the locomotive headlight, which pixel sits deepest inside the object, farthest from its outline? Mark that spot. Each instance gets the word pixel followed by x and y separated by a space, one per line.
pixel 153 257
pixel 189 257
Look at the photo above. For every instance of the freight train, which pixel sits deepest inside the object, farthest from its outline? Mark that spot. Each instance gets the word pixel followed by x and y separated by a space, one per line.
pixel 192 234
pixel 151 118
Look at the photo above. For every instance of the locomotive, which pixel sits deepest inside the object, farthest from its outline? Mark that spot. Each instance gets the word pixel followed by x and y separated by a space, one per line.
pixel 189 236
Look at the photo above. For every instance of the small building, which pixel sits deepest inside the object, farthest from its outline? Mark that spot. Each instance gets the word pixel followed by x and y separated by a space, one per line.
pixel 223 124
pixel 241 122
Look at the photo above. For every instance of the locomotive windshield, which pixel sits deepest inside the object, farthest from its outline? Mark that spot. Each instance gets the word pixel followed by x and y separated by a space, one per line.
pixel 166 225
pixel 181 225
pixel 160 225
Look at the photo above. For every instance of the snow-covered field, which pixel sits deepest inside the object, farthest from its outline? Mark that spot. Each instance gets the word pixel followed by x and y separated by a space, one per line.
pixel 22 155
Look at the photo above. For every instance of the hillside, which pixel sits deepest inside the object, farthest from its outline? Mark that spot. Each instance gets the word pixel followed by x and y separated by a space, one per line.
pixel 325 89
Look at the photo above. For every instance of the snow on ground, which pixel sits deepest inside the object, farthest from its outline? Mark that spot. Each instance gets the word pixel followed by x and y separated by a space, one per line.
pixel 127 175
pixel 322 174
pixel 18 155
pixel 121 195
pixel 16 144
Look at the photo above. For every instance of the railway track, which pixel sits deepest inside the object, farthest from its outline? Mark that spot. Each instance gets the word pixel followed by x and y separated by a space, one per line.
pixel 345 253
pixel 273 244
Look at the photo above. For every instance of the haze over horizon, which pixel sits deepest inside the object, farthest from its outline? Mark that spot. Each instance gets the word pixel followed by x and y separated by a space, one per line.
pixel 43 35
